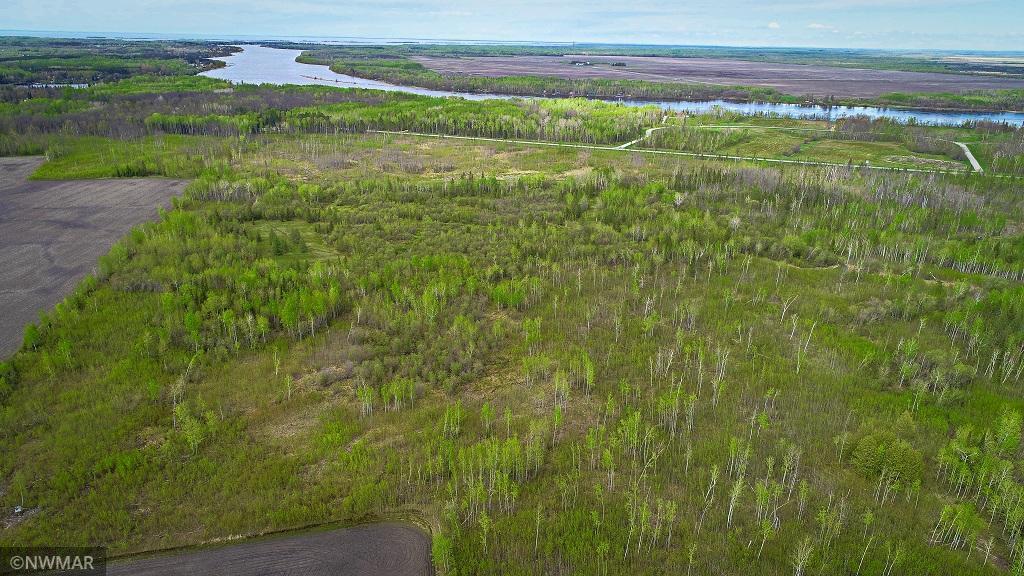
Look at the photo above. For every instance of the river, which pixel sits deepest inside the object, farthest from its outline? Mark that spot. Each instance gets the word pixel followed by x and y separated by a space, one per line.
pixel 262 65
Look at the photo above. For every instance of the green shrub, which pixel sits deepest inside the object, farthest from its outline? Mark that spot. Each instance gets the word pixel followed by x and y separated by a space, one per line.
pixel 884 453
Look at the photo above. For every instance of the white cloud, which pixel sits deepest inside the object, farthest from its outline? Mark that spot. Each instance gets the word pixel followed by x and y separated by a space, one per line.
pixel 817 26
pixel 774 25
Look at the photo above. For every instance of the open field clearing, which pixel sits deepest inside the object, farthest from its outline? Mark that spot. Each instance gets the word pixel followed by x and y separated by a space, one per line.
pixel 51 234
pixel 787 78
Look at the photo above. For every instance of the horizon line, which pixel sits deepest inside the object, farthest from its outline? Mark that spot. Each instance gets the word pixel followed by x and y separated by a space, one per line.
pixel 319 39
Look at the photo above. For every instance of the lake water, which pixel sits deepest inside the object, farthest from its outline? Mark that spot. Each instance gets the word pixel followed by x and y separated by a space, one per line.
pixel 262 65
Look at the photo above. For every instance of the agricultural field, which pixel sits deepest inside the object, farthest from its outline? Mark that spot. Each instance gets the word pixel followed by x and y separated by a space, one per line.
pixel 52 232
pixel 1007 64
pixel 389 548
pixel 488 322
pixel 795 79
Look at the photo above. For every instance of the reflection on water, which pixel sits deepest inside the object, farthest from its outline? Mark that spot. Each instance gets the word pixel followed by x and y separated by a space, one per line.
pixel 261 65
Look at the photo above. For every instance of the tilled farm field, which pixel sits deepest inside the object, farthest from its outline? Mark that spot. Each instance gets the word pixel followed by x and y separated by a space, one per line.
pixel 52 233
pixel 384 549
pixel 794 79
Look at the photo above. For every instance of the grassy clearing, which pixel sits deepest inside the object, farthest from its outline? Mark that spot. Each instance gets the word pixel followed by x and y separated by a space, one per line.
pixel 849 141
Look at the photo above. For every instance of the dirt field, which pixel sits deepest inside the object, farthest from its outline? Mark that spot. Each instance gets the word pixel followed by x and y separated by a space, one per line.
pixel 788 78
pixel 52 233
pixel 384 549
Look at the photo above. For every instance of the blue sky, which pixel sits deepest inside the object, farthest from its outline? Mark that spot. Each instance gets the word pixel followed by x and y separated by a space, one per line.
pixel 909 24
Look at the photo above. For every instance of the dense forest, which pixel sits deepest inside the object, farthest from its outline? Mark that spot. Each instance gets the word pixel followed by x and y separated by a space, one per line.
pixel 25 60
pixel 202 106
pixel 557 360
